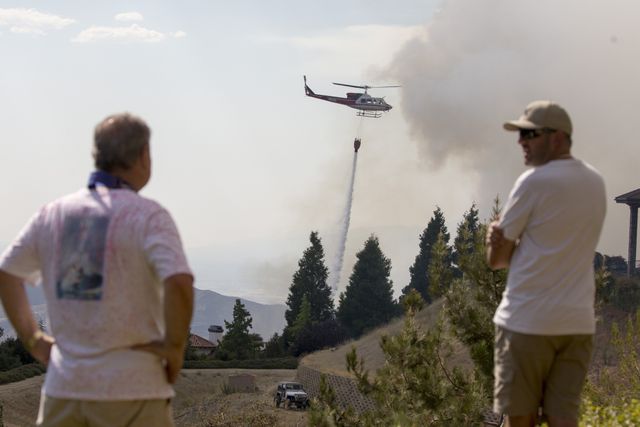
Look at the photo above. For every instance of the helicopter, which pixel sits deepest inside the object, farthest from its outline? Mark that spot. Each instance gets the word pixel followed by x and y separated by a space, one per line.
pixel 367 105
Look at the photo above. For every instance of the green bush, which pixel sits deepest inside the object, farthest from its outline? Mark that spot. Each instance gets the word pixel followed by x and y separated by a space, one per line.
pixel 415 387
pixel 625 414
pixel 22 373
pixel 279 363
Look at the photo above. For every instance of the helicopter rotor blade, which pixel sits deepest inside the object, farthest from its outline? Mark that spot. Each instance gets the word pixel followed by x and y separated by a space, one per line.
pixel 365 87
pixel 356 86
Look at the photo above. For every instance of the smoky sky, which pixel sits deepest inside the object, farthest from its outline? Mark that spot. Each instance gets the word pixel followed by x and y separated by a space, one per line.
pixel 482 62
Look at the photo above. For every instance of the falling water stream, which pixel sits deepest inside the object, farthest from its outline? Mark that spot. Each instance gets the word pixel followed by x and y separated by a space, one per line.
pixel 344 225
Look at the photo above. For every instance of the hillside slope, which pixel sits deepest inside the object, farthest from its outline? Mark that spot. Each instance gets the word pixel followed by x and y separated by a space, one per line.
pixel 368 346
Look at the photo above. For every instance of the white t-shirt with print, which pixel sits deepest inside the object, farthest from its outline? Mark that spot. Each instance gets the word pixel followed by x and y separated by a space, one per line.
pixel 555 214
pixel 102 257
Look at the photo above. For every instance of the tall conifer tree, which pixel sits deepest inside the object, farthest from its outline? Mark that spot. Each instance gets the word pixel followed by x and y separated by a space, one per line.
pixel 310 279
pixel 463 244
pixel 368 299
pixel 237 342
pixel 419 277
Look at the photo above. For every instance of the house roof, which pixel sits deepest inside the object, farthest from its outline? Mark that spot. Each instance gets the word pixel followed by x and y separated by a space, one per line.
pixel 196 341
pixel 630 198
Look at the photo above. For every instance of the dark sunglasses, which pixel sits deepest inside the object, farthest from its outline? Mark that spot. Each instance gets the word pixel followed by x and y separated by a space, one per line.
pixel 527 134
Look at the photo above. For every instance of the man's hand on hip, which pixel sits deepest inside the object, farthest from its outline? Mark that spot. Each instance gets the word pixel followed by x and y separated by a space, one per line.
pixel 172 357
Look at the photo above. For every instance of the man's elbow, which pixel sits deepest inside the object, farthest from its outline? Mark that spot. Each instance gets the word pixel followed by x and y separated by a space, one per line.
pixel 182 280
pixel 8 279
pixel 180 286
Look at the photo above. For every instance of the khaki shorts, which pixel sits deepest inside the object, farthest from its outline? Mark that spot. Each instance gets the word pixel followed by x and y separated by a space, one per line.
pixel 84 413
pixel 533 371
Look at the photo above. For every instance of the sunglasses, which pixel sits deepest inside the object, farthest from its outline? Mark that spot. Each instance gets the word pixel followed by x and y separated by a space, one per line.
pixel 527 134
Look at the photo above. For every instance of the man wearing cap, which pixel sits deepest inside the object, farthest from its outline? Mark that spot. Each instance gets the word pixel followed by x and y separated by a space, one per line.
pixel 118 288
pixel 546 236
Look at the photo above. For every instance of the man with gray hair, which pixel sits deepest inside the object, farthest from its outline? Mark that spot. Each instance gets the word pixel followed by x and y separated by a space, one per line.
pixel 547 236
pixel 118 289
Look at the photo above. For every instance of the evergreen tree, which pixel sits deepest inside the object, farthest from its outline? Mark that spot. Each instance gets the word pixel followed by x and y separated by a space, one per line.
pixel 463 244
pixel 274 347
pixel 368 300
pixel 440 272
pixel 474 297
pixel 310 280
pixel 303 321
pixel 318 336
pixel 419 278
pixel 237 343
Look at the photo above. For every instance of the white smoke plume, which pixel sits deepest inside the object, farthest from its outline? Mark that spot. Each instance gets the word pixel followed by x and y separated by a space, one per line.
pixel 482 62
pixel 334 274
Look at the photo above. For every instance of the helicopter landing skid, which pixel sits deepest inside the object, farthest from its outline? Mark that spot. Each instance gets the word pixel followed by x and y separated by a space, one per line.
pixel 372 114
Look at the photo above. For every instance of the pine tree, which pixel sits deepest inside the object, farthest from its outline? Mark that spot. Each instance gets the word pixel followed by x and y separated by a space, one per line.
pixel 419 270
pixel 440 272
pixel 463 244
pixel 310 279
pixel 368 299
pixel 303 321
pixel 274 347
pixel 474 297
pixel 237 343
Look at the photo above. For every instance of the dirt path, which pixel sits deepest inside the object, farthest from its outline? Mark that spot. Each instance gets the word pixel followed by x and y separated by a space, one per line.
pixel 200 400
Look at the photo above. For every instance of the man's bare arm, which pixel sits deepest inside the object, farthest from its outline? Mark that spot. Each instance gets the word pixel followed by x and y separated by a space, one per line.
pixel 178 309
pixel 499 248
pixel 16 305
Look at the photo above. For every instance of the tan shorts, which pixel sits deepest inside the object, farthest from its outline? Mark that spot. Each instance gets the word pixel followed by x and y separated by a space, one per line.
pixel 533 371
pixel 84 413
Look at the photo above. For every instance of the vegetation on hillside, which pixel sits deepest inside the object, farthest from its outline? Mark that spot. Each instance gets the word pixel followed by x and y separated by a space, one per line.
pixel 417 387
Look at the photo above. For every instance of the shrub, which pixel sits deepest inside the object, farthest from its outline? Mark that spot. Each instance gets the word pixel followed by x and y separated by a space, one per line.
pixel 22 373
pixel 327 333
pixel 624 414
pixel 279 363
pixel 415 386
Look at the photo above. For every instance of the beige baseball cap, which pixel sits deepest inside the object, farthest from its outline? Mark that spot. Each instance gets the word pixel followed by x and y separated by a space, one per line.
pixel 542 114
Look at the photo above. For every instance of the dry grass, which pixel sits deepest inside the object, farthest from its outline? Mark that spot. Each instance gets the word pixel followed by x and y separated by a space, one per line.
pixel 368 346
pixel 199 400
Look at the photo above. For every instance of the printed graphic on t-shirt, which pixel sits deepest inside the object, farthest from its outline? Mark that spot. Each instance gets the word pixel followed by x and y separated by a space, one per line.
pixel 82 257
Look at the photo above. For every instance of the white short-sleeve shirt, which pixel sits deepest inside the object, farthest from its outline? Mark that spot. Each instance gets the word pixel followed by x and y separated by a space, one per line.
pixel 555 214
pixel 102 257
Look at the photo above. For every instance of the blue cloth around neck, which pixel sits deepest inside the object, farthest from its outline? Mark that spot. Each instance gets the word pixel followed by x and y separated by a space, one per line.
pixel 106 179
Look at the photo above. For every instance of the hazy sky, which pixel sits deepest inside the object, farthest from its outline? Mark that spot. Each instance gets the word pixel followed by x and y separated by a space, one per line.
pixel 248 165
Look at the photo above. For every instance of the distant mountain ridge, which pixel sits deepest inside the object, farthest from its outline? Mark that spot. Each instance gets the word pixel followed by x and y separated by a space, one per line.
pixel 211 308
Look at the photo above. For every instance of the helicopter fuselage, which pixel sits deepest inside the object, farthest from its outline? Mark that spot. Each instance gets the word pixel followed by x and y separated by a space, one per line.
pixel 360 101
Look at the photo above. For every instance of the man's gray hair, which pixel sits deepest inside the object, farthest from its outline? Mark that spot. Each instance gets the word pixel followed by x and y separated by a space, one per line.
pixel 118 141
